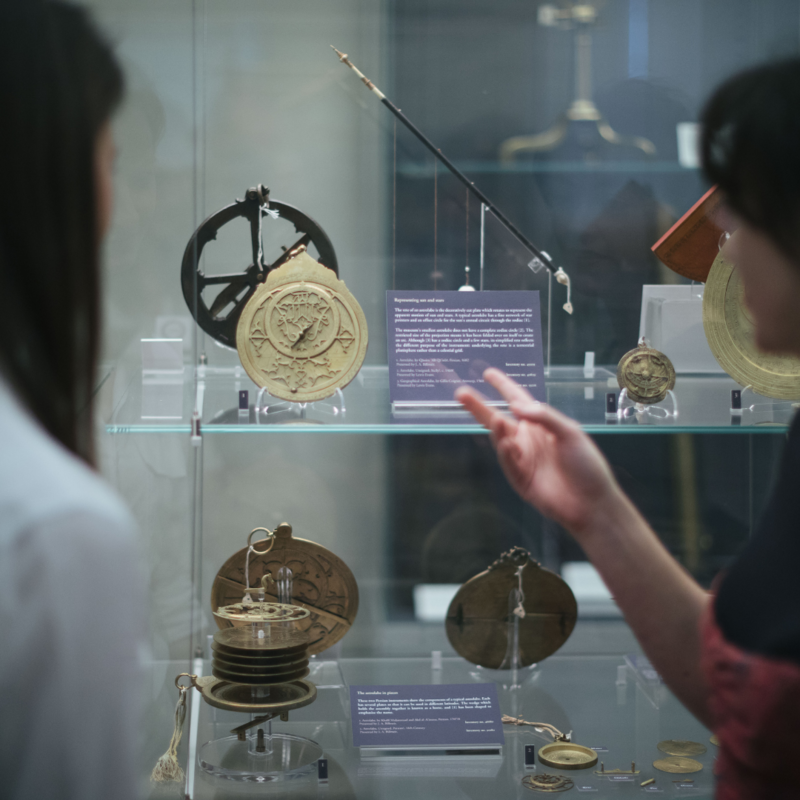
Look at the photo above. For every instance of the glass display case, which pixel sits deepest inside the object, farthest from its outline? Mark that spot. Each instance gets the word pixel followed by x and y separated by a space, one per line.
pixel 579 121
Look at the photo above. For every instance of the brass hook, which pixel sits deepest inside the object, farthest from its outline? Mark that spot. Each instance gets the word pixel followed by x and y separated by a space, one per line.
pixel 269 537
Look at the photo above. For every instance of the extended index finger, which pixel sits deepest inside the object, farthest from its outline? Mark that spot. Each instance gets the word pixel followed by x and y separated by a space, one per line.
pixel 507 387
pixel 487 416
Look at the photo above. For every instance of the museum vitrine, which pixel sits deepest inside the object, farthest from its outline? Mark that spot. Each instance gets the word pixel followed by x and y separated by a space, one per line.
pixel 578 122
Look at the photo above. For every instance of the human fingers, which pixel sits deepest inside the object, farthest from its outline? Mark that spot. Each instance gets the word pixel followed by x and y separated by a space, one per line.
pixel 507 387
pixel 475 403
pixel 556 423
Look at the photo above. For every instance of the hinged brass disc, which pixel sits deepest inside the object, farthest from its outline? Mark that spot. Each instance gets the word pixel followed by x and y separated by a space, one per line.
pixel 239 697
pixel 681 747
pixel 477 618
pixel 322 583
pixel 646 373
pixel 542 782
pixel 567 755
pixel 731 336
pixel 302 335
pixel 678 765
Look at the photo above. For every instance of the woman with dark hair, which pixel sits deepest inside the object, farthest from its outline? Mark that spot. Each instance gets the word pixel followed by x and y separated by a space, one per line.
pixel 732 658
pixel 71 595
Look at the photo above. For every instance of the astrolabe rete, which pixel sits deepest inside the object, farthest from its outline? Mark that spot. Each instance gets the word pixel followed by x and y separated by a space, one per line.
pixel 678 765
pixel 730 331
pixel 545 783
pixel 647 374
pixel 302 335
pixel 321 583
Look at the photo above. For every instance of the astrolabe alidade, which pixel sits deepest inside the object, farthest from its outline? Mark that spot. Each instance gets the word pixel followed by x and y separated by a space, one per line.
pixel 646 374
pixel 681 747
pixel 730 331
pixel 514 594
pixel 567 755
pixel 280 567
pixel 545 783
pixel 678 765
pixel 302 335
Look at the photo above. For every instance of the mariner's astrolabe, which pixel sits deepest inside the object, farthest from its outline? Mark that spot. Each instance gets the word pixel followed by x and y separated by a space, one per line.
pixel 647 374
pixel 302 335
pixel 322 584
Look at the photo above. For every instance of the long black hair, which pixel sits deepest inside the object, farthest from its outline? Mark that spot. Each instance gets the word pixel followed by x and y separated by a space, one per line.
pixel 751 149
pixel 59 85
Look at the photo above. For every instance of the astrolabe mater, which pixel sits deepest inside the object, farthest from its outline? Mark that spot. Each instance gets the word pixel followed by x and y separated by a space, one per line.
pixel 567 755
pixel 647 374
pixel 302 335
pixel 321 583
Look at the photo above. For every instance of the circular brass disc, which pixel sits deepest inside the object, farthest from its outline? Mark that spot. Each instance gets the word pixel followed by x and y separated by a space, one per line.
pixel 302 335
pixel 274 668
pixel 678 765
pixel 567 755
pixel 714 740
pixel 681 747
pixel 322 583
pixel 245 613
pixel 647 374
pixel 278 641
pixel 258 680
pixel 239 697
pixel 731 336
pixel 476 619
pixel 254 661
pixel 542 782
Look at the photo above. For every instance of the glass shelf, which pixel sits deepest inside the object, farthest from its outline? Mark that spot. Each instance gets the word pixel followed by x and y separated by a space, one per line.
pixel 164 404
pixel 414 169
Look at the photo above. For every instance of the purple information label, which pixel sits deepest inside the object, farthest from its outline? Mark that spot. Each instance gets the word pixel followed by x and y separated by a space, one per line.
pixel 441 340
pixel 447 715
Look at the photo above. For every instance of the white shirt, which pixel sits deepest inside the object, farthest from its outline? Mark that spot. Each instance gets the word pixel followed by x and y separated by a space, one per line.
pixel 71 621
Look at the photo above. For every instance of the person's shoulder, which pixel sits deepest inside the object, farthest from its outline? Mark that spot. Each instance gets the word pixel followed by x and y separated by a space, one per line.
pixel 41 480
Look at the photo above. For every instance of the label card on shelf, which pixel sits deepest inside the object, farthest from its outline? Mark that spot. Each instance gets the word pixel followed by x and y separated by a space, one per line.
pixel 445 716
pixel 438 341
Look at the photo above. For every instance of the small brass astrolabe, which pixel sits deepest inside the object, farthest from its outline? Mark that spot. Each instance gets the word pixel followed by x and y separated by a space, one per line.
pixel 647 374
pixel 323 589
pixel 480 614
pixel 542 782
pixel 302 335
pixel 681 747
pixel 567 755
pixel 678 765
pixel 730 331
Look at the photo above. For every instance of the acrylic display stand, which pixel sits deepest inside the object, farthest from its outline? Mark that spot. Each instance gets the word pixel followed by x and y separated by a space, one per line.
pixel 628 409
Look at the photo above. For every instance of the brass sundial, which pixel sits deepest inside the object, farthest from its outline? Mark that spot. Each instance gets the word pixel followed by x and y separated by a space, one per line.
pixel 647 374
pixel 321 583
pixel 302 335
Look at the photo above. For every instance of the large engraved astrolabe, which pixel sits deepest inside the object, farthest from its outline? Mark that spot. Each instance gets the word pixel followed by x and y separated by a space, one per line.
pixel 731 336
pixel 321 585
pixel 646 374
pixel 302 335
pixel 481 615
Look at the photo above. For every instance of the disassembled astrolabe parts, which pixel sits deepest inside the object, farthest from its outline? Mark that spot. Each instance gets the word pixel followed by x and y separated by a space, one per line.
pixel 604 771
pixel 567 755
pixel 243 613
pixel 646 374
pixel 543 782
pixel 678 765
pixel 514 592
pixel 681 747
pixel 302 572
pixel 302 335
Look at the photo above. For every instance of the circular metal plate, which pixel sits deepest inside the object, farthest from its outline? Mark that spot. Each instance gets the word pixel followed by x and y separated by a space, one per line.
pixel 476 622
pixel 245 613
pixel 239 697
pixel 542 782
pixel 678 765
pixel 249 661
pixel 258 680
pixel 272 668
pixel 322 583
pixel 302 335
pixel 277 641
pixel 647 374
pixel 731 336
pixel 681 747
pixel 567 755
pixel 714 740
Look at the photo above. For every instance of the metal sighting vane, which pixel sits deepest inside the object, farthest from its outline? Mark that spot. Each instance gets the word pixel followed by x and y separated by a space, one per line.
pixel 540 258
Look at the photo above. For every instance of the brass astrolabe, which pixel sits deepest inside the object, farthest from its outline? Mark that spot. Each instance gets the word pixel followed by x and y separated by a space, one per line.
pixel 681 747
pixel 542 782
pixel 477 622
pixel 302 335
pixel 731 336
pixel 678 765
pixel 322 585
pixel 647 374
